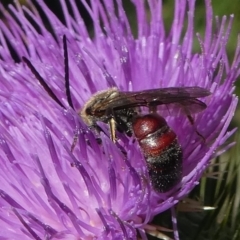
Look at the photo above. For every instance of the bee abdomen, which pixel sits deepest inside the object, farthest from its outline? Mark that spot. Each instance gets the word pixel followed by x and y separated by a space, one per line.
pixel 161 150
pixel 156 143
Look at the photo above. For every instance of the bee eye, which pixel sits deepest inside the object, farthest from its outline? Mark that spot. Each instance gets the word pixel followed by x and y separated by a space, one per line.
pixel 89 111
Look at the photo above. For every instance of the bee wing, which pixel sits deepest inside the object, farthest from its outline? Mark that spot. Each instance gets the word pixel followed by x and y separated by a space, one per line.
pixel 185 107
pixel 166 95
pixel 180 98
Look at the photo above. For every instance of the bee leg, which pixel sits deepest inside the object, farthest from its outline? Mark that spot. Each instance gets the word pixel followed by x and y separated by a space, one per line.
pixel 112 125
pixel 97 129
pixel 191 120
pixel 98 139
pixel 152 109
pixel 74 143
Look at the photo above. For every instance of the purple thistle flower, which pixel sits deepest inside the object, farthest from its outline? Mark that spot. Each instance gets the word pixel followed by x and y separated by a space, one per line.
pixel 96 191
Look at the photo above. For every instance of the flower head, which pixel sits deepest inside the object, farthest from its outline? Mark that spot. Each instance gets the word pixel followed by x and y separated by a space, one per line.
pixel 101 191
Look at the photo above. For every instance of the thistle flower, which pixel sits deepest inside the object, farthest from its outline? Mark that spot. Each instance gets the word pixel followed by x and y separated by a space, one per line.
pixel 101 191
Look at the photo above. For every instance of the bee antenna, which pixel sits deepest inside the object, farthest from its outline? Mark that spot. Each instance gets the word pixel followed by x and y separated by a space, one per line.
pixel 42 81
pixel 66 67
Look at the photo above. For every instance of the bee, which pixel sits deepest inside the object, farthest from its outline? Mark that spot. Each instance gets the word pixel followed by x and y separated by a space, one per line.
pixel 157 141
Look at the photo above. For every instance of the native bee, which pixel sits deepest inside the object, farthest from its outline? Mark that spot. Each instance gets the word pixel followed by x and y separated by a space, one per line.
pixel 158 142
